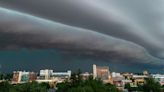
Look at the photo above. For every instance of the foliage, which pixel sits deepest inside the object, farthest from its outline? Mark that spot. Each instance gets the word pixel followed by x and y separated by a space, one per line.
pixel 5 76
pixel 151 86
pixel 5 87
pixel 26 87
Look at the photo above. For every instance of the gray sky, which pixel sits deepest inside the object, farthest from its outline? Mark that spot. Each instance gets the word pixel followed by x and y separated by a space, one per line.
pixel 119 29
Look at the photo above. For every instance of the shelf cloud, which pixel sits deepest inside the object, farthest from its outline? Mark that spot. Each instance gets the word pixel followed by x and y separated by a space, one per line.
pixel 126 31
pixel 20 30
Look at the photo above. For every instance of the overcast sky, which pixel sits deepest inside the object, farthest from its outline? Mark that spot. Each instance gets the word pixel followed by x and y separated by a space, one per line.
pixel 105 32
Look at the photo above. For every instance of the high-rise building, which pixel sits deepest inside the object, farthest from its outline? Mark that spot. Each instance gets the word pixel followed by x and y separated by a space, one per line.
pixel 94 71
pixel 101 72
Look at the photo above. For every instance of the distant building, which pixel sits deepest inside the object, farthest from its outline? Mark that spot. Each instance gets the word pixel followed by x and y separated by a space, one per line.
pixel 46 74
pixel 114 74
pixel 23 76
pixel 159 78
pixel 101 72
pixel 86 75
pixel 128 75
pixel 139 79
pixel 117 79
pixel 16 77
pixel 51 76
pixel 32 76
pixel 62 74
pixel 145 72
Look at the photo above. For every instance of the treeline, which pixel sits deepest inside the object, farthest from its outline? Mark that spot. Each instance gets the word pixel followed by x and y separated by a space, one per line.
pixel 26 87
pixel 6 76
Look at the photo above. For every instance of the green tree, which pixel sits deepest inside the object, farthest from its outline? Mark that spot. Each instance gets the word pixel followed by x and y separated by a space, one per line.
pixel 127 86
pixel 5 86
pixel 32 87
pixel 6 76
pixel 151 86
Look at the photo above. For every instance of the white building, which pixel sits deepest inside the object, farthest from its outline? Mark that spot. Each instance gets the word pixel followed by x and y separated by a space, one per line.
pixel 86 75
pixel 139 76
pixel 94 71
pixel 118 79
pixel 62 74
pixel 114 74
pixel 51 76
pixel 46 74
pixel 159 78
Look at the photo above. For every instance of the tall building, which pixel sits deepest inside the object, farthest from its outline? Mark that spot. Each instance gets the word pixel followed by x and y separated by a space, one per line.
pixel 94 71
pixel 86 75
pixel 101 72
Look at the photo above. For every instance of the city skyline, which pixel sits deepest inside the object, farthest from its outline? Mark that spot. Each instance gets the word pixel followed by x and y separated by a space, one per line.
pixel 126 36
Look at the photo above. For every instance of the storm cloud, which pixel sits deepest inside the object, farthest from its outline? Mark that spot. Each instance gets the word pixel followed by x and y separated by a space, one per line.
pixel 25 31
pixel 137 21
pixel 111 28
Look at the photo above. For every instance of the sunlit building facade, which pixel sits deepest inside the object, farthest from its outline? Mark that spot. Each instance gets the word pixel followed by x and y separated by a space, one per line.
pixel 101 72
pixel 23 76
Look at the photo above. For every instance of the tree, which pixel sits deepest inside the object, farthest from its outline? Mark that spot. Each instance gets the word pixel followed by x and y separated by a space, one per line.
pixel 127 86
pixel 6 76
pixel 26 87
pixel 5 86
pixel 1 76
pixel 151 86
pixel 32 87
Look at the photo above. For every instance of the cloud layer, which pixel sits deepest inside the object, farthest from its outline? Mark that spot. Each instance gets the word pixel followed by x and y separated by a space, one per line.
pixel 19 30
pixel 140 22
pixel 128 31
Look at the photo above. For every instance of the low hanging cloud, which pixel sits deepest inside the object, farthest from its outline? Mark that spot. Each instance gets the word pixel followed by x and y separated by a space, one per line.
pixel 20 30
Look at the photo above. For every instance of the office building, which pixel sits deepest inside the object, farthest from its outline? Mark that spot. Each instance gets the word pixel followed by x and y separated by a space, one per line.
pixel 23 76
pixel 101 72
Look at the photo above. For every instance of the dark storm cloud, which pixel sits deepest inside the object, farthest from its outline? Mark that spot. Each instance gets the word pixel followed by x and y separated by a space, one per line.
pixel 121 29
pixel 19 30
pixel 138 21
